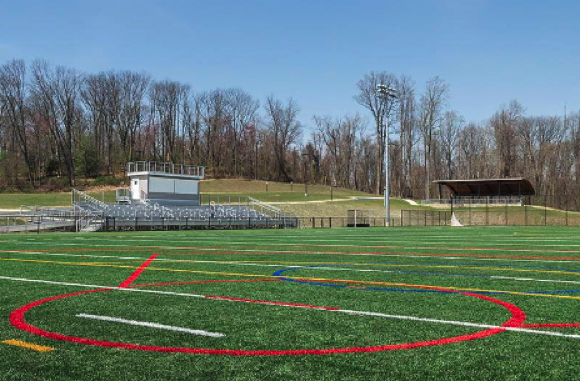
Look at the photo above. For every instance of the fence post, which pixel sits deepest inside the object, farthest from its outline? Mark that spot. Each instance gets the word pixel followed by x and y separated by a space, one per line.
pixel 470 206
pixel 545 210
pixel 487 211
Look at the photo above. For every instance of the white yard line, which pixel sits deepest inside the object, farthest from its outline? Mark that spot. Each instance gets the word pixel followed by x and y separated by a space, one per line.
pixel 350 312
pixel 434 245
pixel 356 254
pixel 152 325
pixel 460 323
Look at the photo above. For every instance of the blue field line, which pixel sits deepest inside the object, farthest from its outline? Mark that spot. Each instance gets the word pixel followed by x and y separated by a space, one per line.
pixel 322 284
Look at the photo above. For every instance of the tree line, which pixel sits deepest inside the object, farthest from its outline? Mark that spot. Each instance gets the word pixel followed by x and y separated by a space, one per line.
pixel 59 124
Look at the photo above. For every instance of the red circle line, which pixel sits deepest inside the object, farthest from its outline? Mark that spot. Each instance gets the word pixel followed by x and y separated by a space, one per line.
pixel 17 319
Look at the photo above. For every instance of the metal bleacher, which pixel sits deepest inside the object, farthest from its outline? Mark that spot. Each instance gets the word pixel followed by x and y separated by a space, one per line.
pixel 152 215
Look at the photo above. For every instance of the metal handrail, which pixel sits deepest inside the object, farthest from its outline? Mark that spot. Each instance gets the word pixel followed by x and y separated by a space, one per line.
pixel 83 197
pixel 474 201
pixel 166 167
pixel 263 206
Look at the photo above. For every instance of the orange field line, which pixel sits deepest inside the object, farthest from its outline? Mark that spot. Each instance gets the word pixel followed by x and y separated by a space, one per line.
pixel 24 344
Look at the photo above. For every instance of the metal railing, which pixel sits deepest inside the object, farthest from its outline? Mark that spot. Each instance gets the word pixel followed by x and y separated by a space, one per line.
pixel 265 208
pixel 123 195
pixel 81 198
pixel 527 215
pixel 166 168
pixel 482 201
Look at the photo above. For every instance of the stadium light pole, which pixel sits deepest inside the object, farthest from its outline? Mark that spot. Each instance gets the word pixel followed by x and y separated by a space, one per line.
pixel 387 94
pixel 305 156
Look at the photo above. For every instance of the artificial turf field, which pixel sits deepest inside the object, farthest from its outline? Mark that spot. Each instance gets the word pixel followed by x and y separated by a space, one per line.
pixel 499 303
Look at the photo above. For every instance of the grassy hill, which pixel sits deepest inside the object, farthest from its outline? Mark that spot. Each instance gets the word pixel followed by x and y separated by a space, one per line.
pixel 319 201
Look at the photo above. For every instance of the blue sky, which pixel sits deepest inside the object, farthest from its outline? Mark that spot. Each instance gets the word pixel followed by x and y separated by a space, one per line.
pixel 488 51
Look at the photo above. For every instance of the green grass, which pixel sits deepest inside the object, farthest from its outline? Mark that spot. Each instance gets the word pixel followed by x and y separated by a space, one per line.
pixel 390 261
pixel 14 201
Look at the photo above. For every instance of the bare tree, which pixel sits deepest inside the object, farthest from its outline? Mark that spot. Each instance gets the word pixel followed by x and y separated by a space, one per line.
pixel 95 96
pixel 431 116
pixel 242 109
pixel 340 138
pixel 471 151
pixel 166 102
pixel 14 109
pixel 541 138
pixel 379 107
pixel 452 125
pixel 127 107
pixel 285 130
pixel 408 131
pixel 504 124
pixel 56 94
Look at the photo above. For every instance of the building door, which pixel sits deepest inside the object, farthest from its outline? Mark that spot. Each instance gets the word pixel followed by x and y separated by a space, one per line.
pixel 135 191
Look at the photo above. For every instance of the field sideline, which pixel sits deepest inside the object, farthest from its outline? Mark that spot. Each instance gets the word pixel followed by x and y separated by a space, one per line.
pixel 492 303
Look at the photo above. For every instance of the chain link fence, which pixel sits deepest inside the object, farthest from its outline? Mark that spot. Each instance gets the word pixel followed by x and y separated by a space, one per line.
pixel 534 211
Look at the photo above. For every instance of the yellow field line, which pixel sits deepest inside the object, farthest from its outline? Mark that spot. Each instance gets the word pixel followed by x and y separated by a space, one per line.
pixel 404 265
pixel 92 264
pixel 24 344
pixel 438 287
pixel 299 278
pixel 370 265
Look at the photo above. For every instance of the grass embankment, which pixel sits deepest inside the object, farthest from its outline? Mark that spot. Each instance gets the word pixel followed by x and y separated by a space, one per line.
pixel 14 201
pixel 319 201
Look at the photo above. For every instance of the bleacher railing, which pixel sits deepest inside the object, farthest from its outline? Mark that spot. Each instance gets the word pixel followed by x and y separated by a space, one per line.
pixel 81 198
pixel 265 208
